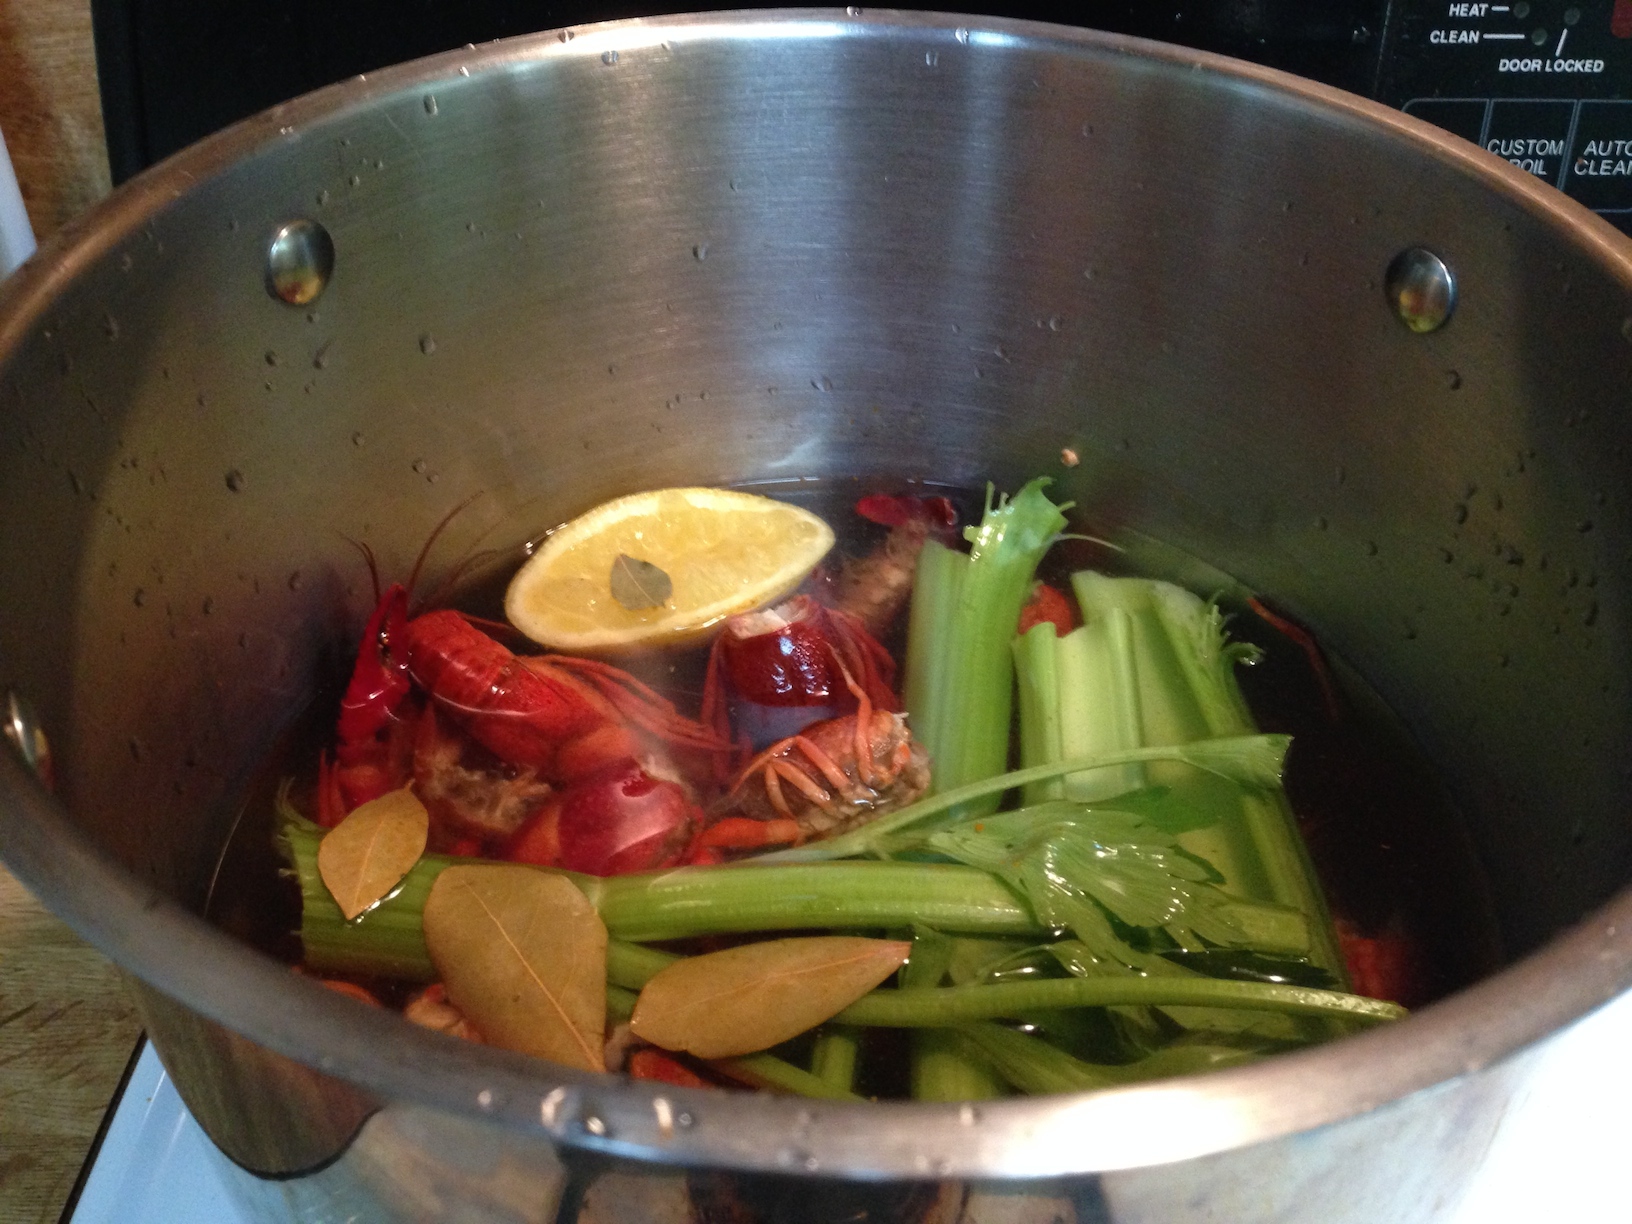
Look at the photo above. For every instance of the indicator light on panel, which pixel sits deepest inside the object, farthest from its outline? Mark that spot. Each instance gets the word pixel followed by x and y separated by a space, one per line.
pixel 1620 21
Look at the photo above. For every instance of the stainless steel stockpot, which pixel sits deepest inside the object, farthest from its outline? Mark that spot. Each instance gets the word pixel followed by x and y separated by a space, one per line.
pixel 741 248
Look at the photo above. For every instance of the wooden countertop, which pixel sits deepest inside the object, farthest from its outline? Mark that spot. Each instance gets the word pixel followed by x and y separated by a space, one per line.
pixel 67 1028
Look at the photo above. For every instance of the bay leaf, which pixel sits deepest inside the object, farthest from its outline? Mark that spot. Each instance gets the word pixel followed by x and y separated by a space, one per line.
pixel 366 855
pixel 639 585
pixel 522 953
pixel 755 996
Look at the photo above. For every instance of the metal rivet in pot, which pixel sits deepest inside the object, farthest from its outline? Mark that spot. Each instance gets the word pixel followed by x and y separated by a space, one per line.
pixel 1420 289
pixel 22 728
pixel 299 262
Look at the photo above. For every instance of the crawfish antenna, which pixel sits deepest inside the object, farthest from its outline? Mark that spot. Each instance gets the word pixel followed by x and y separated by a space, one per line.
pixel 436 532
pixel 373 565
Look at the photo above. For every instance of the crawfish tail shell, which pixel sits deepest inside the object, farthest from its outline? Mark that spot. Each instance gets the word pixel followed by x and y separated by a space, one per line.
pixel 520 715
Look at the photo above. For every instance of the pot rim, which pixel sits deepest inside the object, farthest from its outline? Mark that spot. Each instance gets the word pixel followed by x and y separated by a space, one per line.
pixel 164 944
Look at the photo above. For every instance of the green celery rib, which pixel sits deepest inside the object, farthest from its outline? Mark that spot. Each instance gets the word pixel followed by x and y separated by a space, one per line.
pixel 946 1069
pixel 1176 658
pixel 936 586
pixel 1037 689
pixel 1084 685
pixel 960 674
pixel 953 1005
pixel 620 1004
pixel 632 966
pixel 1033 1066
pixel 769 1072
pixel 388 940
pixel 1199 642
pixel 943 1068
pixel 1030 1063
pixel 833 1056
pixel 754 897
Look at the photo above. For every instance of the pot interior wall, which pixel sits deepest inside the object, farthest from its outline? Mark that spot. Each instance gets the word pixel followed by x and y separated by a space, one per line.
pixel 639 259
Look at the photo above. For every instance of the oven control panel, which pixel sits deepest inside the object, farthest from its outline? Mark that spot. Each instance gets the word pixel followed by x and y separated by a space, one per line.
pixel 1546 84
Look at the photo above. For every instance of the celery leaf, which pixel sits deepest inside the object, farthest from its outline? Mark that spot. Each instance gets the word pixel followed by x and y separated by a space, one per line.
pixel 1088 869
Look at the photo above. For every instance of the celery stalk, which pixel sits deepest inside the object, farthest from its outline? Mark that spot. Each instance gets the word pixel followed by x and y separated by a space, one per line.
pixel 632 966
pixel 960 674
pixel 1034 1066
pixel 1151 667
pixel 943 1068
pixel 388 940
pixel 833 1058
pixel 1031 1064
pixel 947 1069
pixel 1084 689
pixel 620 1004
pixel 768 1072
pixel 936 588
pixel 953 1005
pixel 1037 688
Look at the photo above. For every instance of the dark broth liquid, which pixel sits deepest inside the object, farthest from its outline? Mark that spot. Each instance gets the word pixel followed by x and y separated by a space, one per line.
pixel 1391 851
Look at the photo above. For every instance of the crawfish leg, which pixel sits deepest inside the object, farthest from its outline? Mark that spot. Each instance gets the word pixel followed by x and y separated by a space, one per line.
pixel 864 722
pixel 743 833
pixel 773 790
pixel 802 782
pixel 824 764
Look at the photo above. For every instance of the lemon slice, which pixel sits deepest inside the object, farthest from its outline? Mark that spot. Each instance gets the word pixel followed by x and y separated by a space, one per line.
pixel 724 552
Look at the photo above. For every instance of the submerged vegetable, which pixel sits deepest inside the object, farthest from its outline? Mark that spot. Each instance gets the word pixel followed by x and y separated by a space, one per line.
pixel 1152 666
pixel 1093 872
pixel 960 677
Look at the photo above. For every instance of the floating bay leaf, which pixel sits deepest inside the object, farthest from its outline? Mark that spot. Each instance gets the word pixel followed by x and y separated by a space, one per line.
pixel 366 855
pixel 750 998
pixel 523 954
pixel 639 585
